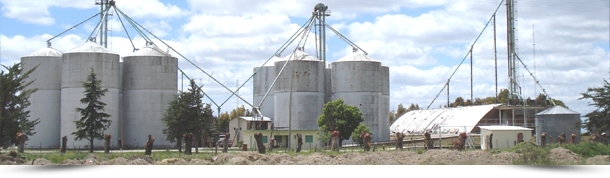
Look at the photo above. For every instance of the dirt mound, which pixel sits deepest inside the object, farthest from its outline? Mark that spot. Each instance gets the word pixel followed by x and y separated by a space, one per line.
pixel 9 160
pixel 199 162
pixel 564 156
pixel 313 159
pixel 280 159
pixel 253 156
pixel 42 161
pixel 222 158
pixel 146 158
pixel 115 161
pixel 91 159
pixel 599 160
pixel 238 161
pixel 139 161
pixel 171 161
pixel 72 162
pixel 506 157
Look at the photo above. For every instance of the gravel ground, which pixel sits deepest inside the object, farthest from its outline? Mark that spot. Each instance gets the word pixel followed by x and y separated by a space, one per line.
pixel 432 157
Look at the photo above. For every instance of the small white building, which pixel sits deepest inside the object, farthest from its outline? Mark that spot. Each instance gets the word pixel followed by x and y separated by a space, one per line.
pixel 503 136
pixel 238 125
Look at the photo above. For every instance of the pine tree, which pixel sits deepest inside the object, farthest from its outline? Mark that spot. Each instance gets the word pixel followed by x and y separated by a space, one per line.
pixel 598 120
pixel 92 124
pixel 14 98
pixel 188 114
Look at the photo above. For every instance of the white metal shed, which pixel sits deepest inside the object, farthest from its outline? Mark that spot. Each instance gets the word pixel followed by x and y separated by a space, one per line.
pixel 503 136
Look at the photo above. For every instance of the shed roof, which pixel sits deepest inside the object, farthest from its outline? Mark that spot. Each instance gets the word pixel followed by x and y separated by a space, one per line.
pixel 451 120
pixel 250 118
pixel 557 110
pixel 504 127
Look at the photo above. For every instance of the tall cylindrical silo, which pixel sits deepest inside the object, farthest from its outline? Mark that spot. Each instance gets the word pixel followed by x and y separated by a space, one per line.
pixel 328 97
pixel 150 81
pixel 356 80
pixel 262 82
pixel 76 66
pixel 307 75
pixel 44 103
pixel 384 113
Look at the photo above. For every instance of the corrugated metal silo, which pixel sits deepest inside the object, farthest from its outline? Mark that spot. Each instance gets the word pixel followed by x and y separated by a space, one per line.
pixel 262 82
pixel 557 120
pixel 356 80
pixel 150 81
pixel 45 103
pixel 307 74
pixel 384 113
pixel 76 66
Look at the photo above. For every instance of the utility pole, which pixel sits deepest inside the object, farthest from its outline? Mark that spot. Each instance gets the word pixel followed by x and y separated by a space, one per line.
pixel 471 99
pixel 495 59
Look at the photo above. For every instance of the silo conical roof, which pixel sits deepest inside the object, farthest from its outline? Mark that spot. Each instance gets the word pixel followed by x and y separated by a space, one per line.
pixel 270 62
pixel 90 47
pixel 149 51
pixel 557 110
pixel 356 56
pixel 48 51
pixel 299 55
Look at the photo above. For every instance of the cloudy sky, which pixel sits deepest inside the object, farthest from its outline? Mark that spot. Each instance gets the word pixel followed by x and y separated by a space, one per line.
pixel 421 41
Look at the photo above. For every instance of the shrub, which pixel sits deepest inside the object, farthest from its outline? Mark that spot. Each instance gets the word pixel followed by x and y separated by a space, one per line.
pixel 531 154
pixel 588 149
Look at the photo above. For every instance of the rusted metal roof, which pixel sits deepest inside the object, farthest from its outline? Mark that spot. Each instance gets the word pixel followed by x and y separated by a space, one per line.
pixel 450 120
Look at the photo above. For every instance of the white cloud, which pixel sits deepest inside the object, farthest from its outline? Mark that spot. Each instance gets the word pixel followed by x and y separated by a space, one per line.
pixel 37 11
pixel 146 9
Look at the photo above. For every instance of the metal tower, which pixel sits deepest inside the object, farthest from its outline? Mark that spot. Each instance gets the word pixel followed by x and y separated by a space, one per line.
pixel 511 51
pixel 104 9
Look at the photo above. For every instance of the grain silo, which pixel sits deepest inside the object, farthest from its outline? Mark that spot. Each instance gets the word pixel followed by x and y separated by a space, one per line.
pixel 262 82
pixel 557 120
pixel 150 81
pixel 307 75
pixel 356 78
pixel 384 113
pixel 76 66
pixel 44 103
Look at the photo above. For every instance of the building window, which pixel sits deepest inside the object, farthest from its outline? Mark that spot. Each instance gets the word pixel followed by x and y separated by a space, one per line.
pixel 264 139
pixel 278 138
pixel 308 138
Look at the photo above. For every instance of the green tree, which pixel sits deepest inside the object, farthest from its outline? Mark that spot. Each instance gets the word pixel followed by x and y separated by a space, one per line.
pixel 92 124
pixel 412 107
pixel 14 99
pixel 459 101
pixel 503 96
pixel 225 118
pixel 341 117
pixel 188 114
pixel 392 116
pixel 598 120
pixel 400 111
pixel 357 132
